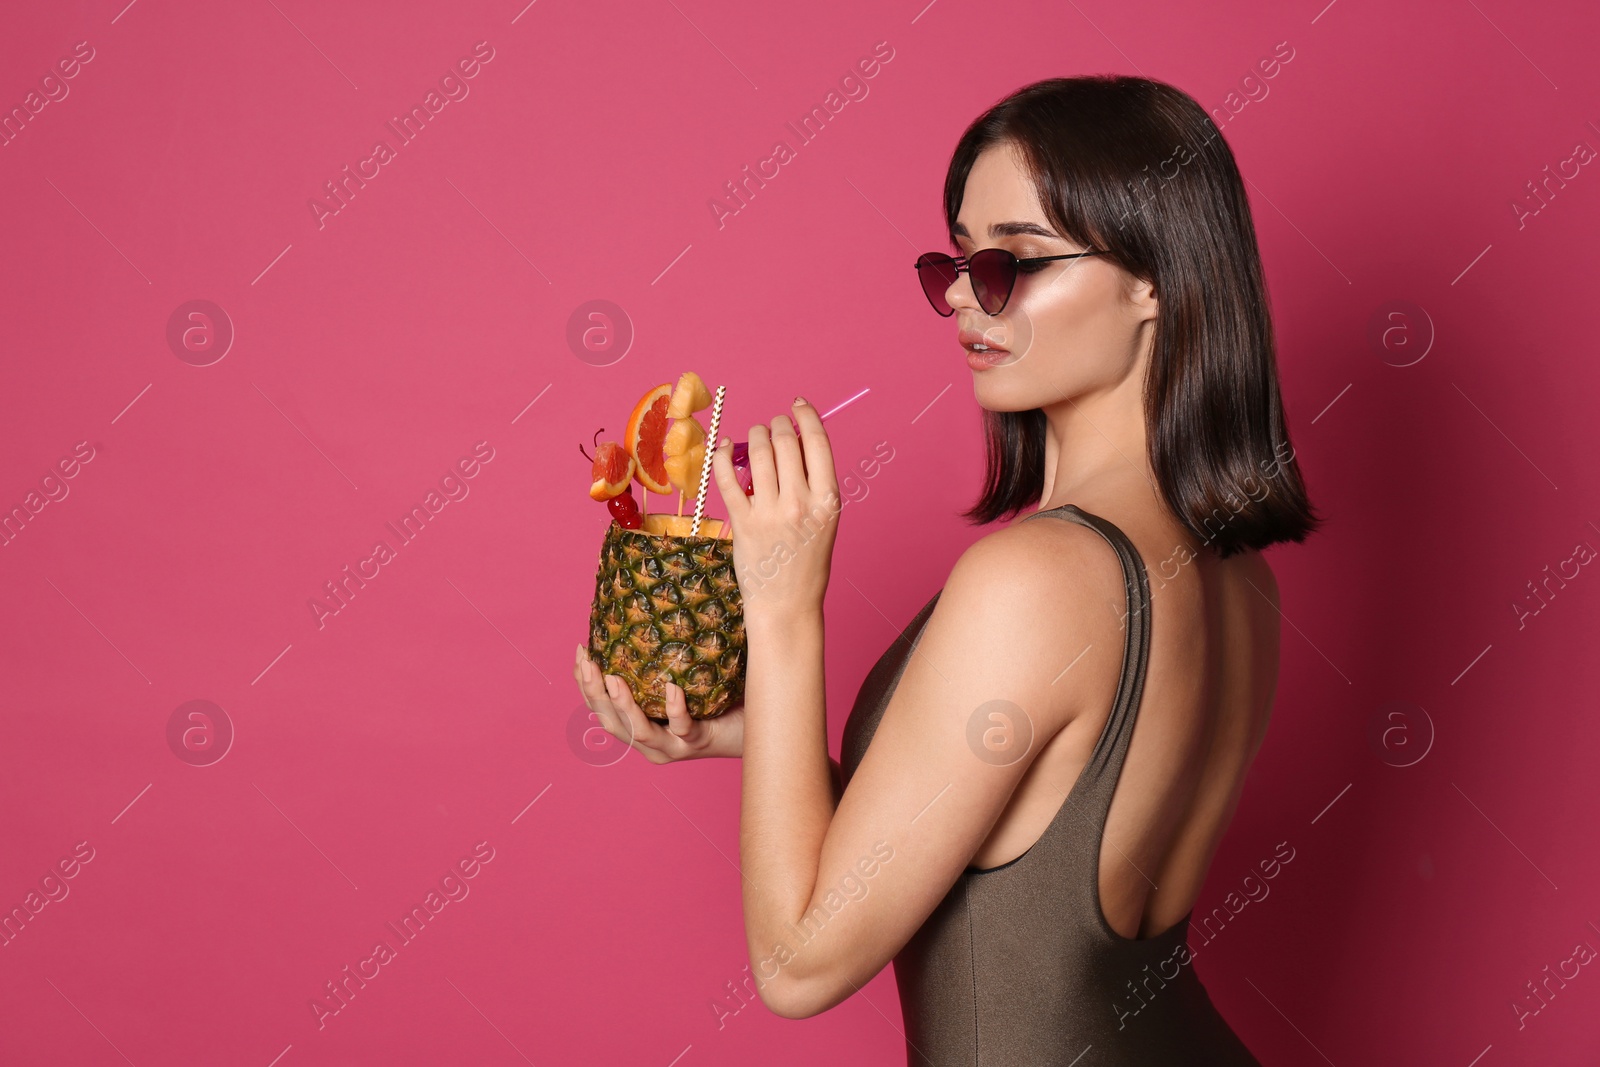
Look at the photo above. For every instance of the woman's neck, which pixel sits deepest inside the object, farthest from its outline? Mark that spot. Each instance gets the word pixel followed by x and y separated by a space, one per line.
pixel 1092 441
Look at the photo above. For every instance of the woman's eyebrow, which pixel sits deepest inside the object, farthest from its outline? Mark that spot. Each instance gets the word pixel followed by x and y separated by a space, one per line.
pixel 1008 229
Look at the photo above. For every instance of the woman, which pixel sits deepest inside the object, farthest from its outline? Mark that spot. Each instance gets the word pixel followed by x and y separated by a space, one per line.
pixel 998 827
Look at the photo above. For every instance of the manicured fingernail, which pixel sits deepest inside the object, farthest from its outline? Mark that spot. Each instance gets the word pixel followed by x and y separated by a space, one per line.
pixel 722 443
pixel 799 400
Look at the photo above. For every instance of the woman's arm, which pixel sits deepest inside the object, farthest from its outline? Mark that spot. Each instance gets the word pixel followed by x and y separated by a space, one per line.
pixel 789 788
pixel 832 893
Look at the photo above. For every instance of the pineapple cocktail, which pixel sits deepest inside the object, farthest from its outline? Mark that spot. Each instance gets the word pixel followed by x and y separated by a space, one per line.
pixel 666 602
pixel 668 607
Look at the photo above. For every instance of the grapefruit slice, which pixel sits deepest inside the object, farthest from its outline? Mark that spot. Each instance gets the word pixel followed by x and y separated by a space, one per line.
pixel 690 396
pixel 613 470
pixel 646 433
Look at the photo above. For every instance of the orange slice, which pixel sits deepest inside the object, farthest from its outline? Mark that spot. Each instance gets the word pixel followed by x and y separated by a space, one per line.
pixel 613 470
pixel 647 432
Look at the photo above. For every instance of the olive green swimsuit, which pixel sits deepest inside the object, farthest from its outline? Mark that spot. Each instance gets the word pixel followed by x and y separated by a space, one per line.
pixel 1017 965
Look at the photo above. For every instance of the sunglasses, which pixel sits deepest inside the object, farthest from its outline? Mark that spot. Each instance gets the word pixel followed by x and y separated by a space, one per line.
pixel 993 272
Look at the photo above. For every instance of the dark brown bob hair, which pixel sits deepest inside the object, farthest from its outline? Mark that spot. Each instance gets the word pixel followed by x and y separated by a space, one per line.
pixel 1136 167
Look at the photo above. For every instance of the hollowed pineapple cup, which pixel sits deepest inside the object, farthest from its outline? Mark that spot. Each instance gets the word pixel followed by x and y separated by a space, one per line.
pixel 667 606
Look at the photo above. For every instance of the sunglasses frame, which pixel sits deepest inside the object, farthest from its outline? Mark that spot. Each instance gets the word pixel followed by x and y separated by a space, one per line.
pixel 963 263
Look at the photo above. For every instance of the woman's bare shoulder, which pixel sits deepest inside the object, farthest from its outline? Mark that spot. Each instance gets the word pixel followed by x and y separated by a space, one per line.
pixel 1044 555
pixel 1054 590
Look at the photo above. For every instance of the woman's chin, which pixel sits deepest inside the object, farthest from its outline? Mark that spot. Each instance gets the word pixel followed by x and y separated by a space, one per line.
pixel 998 396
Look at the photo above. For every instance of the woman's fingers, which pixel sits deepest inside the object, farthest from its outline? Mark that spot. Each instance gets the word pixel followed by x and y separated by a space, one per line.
pixel 679 722
pixel 609 697
pixel 791 466
pixel 641 732
pixel 763 473
pixel 733 496
pixel 817 450
pixel 594 692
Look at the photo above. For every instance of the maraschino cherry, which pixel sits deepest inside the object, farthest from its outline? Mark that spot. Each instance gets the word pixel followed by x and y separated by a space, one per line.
pixel 625 510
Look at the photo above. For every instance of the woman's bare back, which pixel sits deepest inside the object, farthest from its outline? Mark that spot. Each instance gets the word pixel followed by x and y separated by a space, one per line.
pixel 1207 698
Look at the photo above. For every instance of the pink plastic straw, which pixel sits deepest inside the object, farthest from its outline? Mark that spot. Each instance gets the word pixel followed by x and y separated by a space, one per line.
pixel 741 449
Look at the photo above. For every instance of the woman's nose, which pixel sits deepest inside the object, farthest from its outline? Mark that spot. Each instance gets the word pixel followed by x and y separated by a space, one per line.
pixel 960 294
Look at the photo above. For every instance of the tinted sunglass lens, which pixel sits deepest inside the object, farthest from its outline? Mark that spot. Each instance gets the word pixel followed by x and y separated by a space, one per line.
pixel 937 273
pixel 994 272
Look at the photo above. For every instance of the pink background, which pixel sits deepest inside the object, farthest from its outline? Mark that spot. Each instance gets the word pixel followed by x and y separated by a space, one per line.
pixel 435 710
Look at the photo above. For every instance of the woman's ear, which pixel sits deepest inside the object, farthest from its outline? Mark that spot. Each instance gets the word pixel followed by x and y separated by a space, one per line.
pixel 1142 295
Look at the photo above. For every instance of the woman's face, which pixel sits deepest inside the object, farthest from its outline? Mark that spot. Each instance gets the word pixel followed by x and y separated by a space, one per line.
pixel 1072 328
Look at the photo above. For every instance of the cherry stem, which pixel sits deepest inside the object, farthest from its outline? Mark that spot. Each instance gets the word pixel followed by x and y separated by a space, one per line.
pixel 594 443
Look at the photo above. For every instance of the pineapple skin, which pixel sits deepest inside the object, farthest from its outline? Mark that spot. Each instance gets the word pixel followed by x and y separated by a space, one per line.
pixel 669 608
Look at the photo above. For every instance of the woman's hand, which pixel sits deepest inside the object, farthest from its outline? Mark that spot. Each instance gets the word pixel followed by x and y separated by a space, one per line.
pixel 683 737
pixel 783 533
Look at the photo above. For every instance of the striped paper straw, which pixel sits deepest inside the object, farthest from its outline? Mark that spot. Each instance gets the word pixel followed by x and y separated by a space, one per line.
pixel 705 467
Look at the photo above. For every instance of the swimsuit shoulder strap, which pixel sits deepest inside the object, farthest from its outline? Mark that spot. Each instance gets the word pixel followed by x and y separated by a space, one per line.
pixel 1099 777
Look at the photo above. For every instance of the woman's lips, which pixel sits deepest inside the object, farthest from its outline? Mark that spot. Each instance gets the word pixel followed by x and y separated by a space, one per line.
pixel 993 358
pixel 982 351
